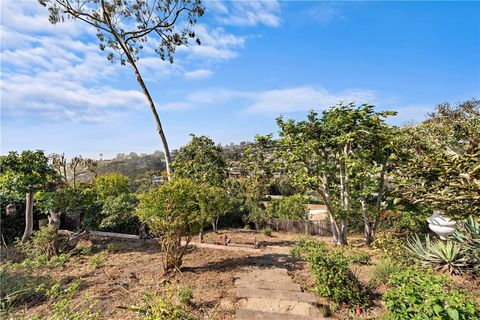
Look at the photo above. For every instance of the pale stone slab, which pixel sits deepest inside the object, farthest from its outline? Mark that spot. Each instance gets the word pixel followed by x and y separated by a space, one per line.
pixel 244 314
pixel 276 294
pixel 262 284
pixel 278 306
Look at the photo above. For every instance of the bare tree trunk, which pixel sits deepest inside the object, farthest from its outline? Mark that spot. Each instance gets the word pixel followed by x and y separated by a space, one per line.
pixel 28 217
pixel 368 227
pixel 151 104
pixel 342 234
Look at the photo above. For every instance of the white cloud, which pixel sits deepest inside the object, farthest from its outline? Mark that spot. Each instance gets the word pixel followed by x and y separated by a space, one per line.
pixel 274 102
pixel 198 74
pixel 247 13
pixel 326 12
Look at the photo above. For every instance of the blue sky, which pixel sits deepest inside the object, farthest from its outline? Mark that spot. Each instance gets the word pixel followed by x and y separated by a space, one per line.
pixel 257 60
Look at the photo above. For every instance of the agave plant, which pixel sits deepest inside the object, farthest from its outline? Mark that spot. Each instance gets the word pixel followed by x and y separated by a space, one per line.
pixel 468 234
pixel 447 257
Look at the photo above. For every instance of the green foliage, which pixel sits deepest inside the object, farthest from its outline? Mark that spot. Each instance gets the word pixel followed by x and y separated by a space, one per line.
pixel 156 306
pixel 355 255
pixel 63 308
pixel 420 294
pixel 236 215
pixel 342 156
pixel 98 260
pixel 18 287
pixel 332 273
pixel 202 161
pixel 451 256
pixel 111 185
pixel 259 161
pixel 24 172
pixel 214 202
pixel 443 171
pixel 41 246
pixel 172 211
pixel 467 234
pixel 291 208
pixel 185 295
pixel 390 246
pixel 118 214
pixel 267 231
pixel 385 268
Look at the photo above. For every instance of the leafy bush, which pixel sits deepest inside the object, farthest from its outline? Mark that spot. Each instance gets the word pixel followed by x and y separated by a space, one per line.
pixel 389 246
pixel 111 185
pixel 355 256
pixel 292 208
pixel 384 269
pixel 445 256
pixel 332 273
pixel 267 231
pixel 172 212
pixel 156 306
pixel 69 201
pixel 420 294
pixel 41 244
pixel 118 214
pixel 185 295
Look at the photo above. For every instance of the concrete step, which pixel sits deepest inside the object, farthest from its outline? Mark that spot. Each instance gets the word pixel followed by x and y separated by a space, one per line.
pixel 263 284
pixel 276 294
pixel 278 306
pixel 244 314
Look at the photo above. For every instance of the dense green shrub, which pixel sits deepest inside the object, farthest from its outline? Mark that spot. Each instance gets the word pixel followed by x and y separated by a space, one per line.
pixel 118 214
pixel 111 185
pixel 390 246
pixel 382 271
pixel 172 211
pixel 355 255
pixel 69 201
pixel 421 294
pixel 332 273
pixel 292 208
pixel 162 306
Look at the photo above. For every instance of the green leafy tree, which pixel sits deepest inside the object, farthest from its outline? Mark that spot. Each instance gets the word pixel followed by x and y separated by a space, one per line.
pixel 111 185
pixel 292 208
pixel 118 214
pixel 25 173
pixel 214 202
pixel 172 211
pixel 443 171
pixel 328 155
pixel 201 161
pixel 260 164
pixel 124 27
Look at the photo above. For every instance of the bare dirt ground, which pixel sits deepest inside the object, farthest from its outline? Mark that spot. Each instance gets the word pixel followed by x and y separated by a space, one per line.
pixel 131 269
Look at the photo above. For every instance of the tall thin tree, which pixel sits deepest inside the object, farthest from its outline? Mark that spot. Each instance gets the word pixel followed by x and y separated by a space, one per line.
pixel 124 26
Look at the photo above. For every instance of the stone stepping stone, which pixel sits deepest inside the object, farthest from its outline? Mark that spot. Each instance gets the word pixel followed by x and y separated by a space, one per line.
pixel 278 306
pixel 245 293
pixel 244 314
pixel 263 284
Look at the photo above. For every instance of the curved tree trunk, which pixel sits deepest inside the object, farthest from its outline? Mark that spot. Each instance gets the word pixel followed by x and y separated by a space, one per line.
pixel 151 104
pixel 28 217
